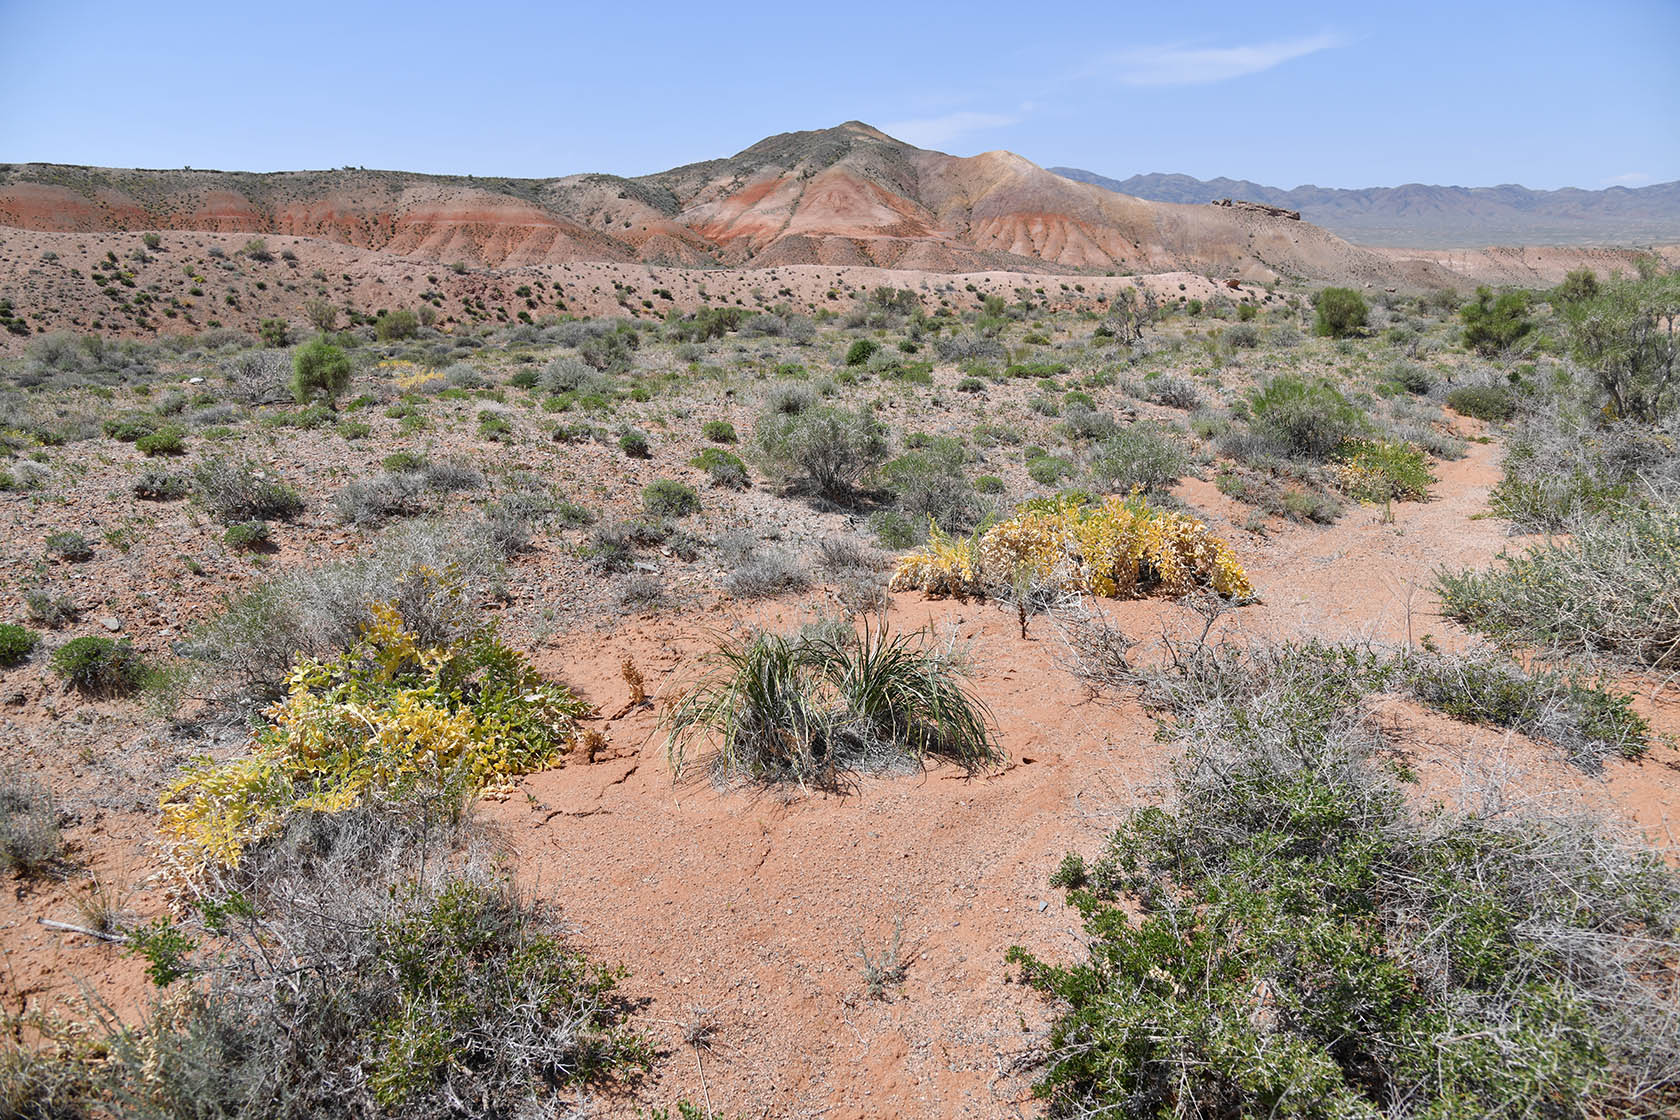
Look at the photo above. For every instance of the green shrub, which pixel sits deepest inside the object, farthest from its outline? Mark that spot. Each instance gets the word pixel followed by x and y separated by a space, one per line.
pixel 572 515
pixel 399 462
pixel 1484 402
pixel 1495 323
pixel 1382 470
pixel 98 665
pixel 718 431
pixel 861 351
pixel 415 979
pixel 929 484
pixel 1038 369
pixel 1049 470
pixel 317 415
pixel 168 440
pixel 1411 377
pixel 319 369
pixel 1308 944
pixel 394 326
pixel 1304 419
pixel 1554 477
pixel 131 426
pixel 810 709
pixel 16 643
pixel 1623 334
pixel 989 484
pixel 1587 721
pixel 1141 454
pixel 667 498
pixel 1613 590
pixel 726 470
pixel 233 490
pixel 247 535
pixel 69 545
pixel 274 333
pixel 893 530
pixel 524 379
pixel 634 443
pixel 825 451
pixel 1340 313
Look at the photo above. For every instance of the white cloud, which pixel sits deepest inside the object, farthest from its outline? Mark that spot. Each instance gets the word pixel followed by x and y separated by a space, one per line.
pixel 1627 179
pixel 1185 66
pixel 937 132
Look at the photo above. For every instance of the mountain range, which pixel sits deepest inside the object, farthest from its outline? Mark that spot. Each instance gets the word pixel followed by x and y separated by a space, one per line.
pixel 848 195
pixel 1418 216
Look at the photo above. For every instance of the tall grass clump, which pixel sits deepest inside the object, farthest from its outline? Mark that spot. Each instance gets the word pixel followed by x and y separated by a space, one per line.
pixel 808 709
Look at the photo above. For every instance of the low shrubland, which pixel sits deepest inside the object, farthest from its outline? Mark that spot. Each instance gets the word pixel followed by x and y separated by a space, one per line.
pixel 1612 589
pixel 1309 941
pixel 369 963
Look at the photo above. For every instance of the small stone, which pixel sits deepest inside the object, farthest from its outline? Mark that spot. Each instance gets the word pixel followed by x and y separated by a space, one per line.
pixel 195 381
pixel 1043 906
pixel 111 623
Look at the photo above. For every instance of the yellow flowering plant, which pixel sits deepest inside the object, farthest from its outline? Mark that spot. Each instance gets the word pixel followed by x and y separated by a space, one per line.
pixel 1120 548
pixel 390 717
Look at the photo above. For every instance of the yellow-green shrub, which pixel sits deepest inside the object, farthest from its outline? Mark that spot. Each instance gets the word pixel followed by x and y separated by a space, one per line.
pixel 1377 470
pixel 391 717
pixel 1123 548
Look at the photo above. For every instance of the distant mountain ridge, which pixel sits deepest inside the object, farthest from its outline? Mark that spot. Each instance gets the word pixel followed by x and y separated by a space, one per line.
pixel 1420 216
pixel 841 196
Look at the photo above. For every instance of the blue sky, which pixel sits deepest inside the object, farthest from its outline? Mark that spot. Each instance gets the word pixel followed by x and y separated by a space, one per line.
pixel 1544 94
